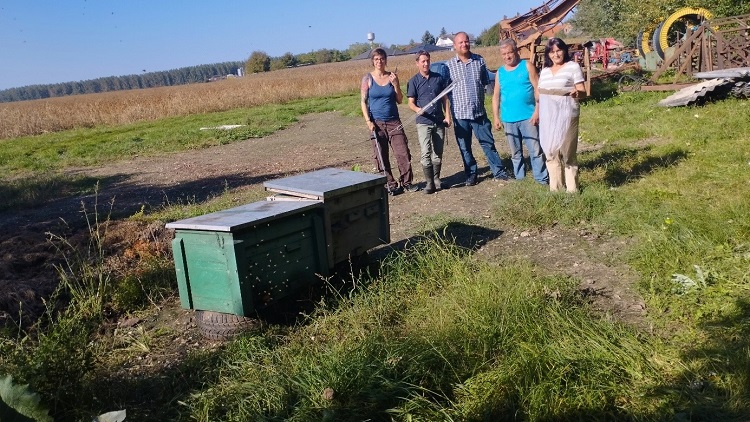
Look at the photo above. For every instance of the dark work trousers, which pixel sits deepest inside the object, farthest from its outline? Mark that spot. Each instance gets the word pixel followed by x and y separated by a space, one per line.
pixel 389 133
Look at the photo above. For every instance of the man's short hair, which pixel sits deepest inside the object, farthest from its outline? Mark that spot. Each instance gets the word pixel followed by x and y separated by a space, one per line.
pixel 422 53
pixel 509 42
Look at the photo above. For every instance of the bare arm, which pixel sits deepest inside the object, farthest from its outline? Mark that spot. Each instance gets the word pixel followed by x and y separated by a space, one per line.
pixel 579 92
pixel 447 111
pixel 413 105
pixel 364 90
pixel 496 103
pixel 393 77
pixel 534 79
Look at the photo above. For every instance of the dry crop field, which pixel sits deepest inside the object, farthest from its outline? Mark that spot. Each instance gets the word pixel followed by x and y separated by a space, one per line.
pixel 124 107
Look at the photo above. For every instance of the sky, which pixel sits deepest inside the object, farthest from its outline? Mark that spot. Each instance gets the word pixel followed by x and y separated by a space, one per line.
pixel 51 41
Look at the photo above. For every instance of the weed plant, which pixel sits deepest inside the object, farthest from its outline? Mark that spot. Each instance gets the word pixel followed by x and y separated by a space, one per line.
pixel 58 355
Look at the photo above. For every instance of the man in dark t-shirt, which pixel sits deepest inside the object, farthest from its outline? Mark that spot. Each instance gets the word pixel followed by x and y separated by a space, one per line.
pixel 432 118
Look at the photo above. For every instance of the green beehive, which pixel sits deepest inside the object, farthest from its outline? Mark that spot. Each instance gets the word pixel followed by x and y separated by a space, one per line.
pixel 238 260
pixel 355 208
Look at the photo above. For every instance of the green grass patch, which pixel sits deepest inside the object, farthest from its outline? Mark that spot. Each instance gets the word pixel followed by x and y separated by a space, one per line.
pixel 440 336
pixel 34 189
pixel 677 181
pixel 95 146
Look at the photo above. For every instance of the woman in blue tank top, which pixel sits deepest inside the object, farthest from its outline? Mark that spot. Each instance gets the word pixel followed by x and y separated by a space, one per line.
pixel 380 96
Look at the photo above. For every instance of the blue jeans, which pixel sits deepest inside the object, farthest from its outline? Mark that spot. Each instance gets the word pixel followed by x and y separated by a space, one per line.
pixel 529 134
pixel 483 131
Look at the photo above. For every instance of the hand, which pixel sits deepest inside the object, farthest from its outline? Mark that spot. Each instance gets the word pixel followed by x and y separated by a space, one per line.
pixel 447 122
pixel 420 111
pixel 535 118
pixel 498 125
pixel 393 78
pixel 371 126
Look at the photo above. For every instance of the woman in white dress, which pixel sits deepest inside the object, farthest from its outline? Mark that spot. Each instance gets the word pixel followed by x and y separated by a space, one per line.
pixel 560 88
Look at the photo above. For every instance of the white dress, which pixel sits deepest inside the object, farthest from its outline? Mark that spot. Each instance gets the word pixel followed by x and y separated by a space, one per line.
pixel 556 108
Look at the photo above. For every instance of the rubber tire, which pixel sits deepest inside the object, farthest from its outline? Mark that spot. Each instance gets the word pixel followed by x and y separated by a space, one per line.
pixel 655 44
pixel 221 326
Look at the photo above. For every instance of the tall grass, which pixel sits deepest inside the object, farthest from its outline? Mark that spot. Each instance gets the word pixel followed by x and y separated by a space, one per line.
pixel 440 336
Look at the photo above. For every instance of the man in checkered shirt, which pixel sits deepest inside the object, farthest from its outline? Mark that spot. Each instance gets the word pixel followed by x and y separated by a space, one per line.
pixel 469 72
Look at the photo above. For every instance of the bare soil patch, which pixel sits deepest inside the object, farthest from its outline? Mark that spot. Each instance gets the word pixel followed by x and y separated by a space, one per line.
pixel 317 141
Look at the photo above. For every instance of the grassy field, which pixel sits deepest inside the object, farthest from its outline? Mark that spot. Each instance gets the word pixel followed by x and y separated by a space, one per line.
pixel 459 338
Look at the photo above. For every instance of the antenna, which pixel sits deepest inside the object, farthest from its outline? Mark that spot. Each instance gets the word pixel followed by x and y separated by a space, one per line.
pixel 371 38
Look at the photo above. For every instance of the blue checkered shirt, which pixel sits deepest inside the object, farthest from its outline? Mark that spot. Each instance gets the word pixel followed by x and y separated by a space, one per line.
pixel 467 97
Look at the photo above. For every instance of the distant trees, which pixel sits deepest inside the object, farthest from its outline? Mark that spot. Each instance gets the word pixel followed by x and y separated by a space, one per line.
pixel 287 60
pixel 625 18
pixel 258 62
pixel 358 48
pixel 179 76
pixel 604 18
pixel 490 36
pixel 428 38
pixel 324 56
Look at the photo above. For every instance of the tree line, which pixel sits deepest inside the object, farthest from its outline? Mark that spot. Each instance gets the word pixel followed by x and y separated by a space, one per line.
pixel 181 76
pixel 624 19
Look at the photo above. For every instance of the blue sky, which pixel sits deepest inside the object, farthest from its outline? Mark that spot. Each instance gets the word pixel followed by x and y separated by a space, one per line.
pixel 50 41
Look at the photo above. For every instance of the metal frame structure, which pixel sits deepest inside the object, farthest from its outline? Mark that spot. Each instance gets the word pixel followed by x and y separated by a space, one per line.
pixel 527 29
pixel 718 44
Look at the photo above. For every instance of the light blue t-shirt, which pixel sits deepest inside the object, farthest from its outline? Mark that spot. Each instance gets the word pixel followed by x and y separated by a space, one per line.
pixel 517 101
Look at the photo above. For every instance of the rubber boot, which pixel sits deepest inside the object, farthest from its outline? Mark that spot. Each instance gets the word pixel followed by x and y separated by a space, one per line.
pixel 429 178
pixel 436 176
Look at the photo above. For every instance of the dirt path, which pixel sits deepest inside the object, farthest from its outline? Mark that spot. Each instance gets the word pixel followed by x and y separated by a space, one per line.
pixel 316 141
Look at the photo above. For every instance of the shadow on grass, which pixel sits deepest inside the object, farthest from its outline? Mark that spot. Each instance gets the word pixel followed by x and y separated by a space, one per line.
pixel 155 395
pixel 128 197
pixel 29 192
pixel 720 389
pixel 457 179
pixel 619 166
pixel 291 309
pixel 27 256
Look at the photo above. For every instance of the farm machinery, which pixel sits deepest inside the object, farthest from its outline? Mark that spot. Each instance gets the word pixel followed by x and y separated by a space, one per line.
pixel 690 42
pixel 528 29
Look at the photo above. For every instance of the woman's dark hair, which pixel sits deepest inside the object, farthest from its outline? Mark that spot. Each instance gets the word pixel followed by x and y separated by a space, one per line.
pixel 555 42
pixel 378 52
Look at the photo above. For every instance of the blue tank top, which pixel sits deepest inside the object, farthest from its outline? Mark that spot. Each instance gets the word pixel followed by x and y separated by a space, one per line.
pixel 382 101
pixel 517 101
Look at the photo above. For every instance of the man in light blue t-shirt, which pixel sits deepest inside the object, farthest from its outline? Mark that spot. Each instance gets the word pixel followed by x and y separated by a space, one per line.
pixel 516 99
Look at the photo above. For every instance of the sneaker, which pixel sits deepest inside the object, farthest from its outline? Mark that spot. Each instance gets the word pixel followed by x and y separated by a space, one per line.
pixel 395 191
pixel 471 180
pixel 411 188
pixel 502 178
